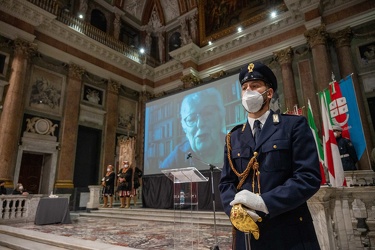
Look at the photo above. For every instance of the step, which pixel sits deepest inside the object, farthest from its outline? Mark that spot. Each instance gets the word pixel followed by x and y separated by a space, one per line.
pixel 12 242
pixel 23 239
pixel 165 215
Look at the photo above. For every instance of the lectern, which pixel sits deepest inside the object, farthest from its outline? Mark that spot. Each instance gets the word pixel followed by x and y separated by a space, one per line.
pixel 185 200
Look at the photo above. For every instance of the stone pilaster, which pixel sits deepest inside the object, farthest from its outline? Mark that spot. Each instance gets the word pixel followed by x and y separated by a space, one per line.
pixel 11 117
pixel 285 59
pixel 317 40
pixel 342 41
pixel 69 128
pixel 110 124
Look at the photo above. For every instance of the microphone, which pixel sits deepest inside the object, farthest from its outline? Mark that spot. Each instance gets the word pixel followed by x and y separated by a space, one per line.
pixel 188 155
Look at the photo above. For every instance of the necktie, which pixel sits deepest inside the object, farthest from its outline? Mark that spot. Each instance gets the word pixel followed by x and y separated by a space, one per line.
pixel 257 130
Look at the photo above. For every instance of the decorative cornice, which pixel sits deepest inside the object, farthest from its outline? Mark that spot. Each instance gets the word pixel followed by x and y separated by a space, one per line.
pixel 26 11
pixel 189 52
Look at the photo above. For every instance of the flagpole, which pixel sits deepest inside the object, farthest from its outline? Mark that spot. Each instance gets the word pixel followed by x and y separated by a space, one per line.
pixel 360 117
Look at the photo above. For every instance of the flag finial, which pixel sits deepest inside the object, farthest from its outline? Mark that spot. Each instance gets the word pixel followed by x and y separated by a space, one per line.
pixel 333 77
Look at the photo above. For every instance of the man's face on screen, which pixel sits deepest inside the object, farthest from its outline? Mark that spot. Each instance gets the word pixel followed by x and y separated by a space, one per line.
pixel 201 123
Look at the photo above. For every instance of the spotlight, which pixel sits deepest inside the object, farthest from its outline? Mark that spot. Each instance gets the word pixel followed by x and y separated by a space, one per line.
pixel 239 29
pixel 142 50
pixel 273 14
pixel 80 16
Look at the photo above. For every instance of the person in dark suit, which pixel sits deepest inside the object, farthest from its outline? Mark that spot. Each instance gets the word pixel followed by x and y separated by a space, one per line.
pixel 269 176
pixel 347 151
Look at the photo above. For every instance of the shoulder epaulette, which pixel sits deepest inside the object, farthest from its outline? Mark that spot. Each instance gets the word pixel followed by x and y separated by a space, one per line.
pixel 238 127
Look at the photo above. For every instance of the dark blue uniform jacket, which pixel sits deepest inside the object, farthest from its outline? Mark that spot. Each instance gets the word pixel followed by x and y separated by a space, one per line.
pixel 289 176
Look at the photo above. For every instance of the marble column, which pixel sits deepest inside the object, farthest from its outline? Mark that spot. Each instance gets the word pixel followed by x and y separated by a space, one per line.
pixel 317 39
pixel 285 58
pixel 342 41
pixel 110 126
pixel 11 117
pixel 69 128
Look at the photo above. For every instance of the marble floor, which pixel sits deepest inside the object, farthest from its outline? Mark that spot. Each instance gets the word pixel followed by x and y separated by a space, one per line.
pixel 140 234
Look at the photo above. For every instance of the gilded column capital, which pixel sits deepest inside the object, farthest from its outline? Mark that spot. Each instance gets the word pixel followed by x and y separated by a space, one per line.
pixel 190 81
pixel 24 48
pixel 145 96
pixel 284 56
pixel 316 36
pixel 114 86
pixel 342 38
pixel 76 71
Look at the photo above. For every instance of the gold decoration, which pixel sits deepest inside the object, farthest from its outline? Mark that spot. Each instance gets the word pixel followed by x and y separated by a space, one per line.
pixel 250 67
pixel 239 217
pixel 243 221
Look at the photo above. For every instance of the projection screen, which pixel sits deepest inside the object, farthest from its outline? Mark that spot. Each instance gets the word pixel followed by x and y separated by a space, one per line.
pixel 188 129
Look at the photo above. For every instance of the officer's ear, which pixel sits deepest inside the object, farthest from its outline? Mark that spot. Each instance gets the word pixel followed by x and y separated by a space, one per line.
pixel 270 93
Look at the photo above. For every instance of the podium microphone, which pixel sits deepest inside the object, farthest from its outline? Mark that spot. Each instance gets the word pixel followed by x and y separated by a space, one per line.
pixel 188 155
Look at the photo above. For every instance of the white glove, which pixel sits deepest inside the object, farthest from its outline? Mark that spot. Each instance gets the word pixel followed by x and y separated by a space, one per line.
pixel 250 200
pixel 253 215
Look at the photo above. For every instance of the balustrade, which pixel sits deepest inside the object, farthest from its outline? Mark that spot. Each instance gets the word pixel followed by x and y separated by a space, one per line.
pixel 88 30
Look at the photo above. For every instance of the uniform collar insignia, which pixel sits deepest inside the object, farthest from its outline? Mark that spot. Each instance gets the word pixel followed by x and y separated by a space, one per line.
pixel 275 118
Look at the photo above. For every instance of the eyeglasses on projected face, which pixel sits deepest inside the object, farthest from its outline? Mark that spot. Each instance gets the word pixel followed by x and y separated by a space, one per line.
pixel 206 114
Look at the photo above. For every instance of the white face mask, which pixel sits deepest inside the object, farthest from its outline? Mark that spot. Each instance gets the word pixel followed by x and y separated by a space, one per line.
pixel 252 101
pixel 126 165
pixel 108 169
pixel 20 188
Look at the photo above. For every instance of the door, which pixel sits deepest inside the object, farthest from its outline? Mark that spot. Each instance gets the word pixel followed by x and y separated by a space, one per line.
pixel 30 172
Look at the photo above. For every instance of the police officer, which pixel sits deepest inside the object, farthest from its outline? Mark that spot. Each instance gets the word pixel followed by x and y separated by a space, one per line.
pixel 272 173
pixel 347 152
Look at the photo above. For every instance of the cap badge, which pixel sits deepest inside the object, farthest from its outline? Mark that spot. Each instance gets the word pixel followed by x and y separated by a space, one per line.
pixel 250 67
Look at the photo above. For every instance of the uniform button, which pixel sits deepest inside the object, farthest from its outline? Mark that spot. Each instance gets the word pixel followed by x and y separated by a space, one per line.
pixel 300 219
pixel 274 146
pixel 238 154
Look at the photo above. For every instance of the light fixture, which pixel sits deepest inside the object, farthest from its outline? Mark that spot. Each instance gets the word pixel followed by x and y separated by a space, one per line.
pixel 273 14
pixel 80 16
pixel 142 50
pixel 209 42
pixel 239 29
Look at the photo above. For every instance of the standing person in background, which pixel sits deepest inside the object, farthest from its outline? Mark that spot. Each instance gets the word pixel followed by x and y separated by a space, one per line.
pixel 124 184
pixel 347 151
pixel 108 183
pixel 20 190
pixel 271 169
pixel 137 182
